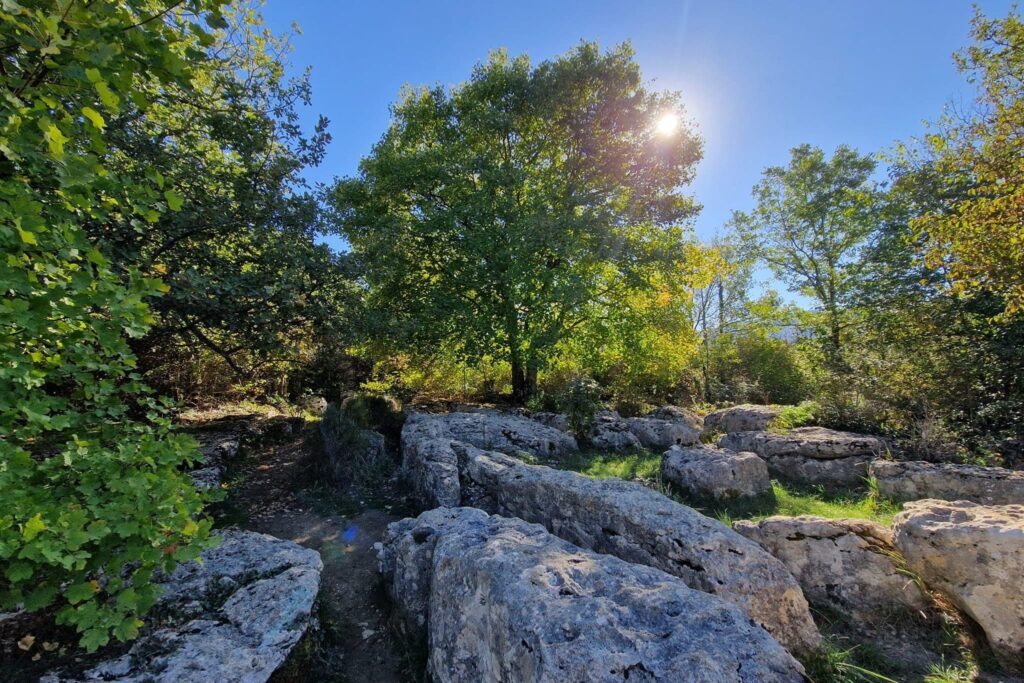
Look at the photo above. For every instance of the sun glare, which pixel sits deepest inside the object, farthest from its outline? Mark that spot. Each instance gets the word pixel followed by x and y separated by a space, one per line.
pixel 668 124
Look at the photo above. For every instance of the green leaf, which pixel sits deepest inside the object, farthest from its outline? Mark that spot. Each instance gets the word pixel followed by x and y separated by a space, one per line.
pixel 33 527
pixel 94 117
pixel 18 571
pixel 173 200
pixel 78 592
pixel 55 139
pixel 27 237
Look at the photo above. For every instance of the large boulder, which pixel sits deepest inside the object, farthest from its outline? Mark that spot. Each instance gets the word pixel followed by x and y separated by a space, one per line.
pixel 741 418
pixel 810 455
pixel 491 430
pixel 658 434
pixel 973 554
pixel 677 414
pixel 710 473
pixel 915 480
pixel 431 469
pixel 612 433
pixel 233 617
pixel 499 599
pixel 639 525
pixel 846 565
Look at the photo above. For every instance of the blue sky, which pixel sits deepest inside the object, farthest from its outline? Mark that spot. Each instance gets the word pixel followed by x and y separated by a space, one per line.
pixel 758 77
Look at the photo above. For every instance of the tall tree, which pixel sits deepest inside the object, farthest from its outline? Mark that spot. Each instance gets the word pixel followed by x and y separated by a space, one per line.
pixel 980 237
pixel 811 219
pixel 496 217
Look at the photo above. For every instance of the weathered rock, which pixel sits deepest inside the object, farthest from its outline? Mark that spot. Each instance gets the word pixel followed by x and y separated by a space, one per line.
pixel 973 554
pixel 817 443
pixel 741 418
pixel 431 468
pixel 659 434
pixel 501 600
pixel 557 421
pixel 916 480
pixel 677 414
pixel 490 430
pixel 346 455
pixel 847 565
pixel 233 618
pixel 639 525
pixel 810 455
pixel 612 433
pixel 715 473
pixel 206 478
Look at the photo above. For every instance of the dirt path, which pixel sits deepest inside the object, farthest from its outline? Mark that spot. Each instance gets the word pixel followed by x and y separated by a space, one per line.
pixel 275 490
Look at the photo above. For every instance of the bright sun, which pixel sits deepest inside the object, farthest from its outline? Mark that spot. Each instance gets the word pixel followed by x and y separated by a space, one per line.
pixel 667 124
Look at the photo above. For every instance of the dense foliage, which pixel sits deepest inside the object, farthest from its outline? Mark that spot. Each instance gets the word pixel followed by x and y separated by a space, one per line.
pixel 93 500
pixel 499 218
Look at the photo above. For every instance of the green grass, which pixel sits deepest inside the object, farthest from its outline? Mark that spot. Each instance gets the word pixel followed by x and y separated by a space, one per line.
pixel 789 500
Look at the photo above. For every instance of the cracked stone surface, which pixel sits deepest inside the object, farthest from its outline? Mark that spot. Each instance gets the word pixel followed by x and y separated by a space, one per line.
pixel 500 599
pixel 707 472
pixel 741 418
pixel 810 455
pixel 916 480
pixel 491 430
pixel 235 617
pixel 848 565
pixel 974 554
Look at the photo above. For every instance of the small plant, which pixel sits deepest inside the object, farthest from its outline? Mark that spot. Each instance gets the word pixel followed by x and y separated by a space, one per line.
pixel 580 402
pixel 376 412
pixel 834 665
pixel 792 417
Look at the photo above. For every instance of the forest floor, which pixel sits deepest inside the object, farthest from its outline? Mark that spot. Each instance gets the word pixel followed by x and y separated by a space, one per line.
pixel 276 488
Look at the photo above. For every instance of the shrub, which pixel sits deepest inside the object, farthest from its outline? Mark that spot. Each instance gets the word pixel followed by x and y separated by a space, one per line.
pixel 580 403
pixel 375 412
pixel 791 417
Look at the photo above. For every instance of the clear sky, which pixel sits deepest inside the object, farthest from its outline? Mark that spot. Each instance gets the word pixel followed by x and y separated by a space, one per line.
pixel 759 77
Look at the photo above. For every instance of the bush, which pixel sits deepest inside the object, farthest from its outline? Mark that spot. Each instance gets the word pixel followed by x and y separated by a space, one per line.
pixel 580 403
pixel 375 412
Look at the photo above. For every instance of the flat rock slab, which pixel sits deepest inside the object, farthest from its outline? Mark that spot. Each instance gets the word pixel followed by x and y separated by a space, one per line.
pixel 498 599
pixel 707 472
pixel 658 434
pixel 847 565
pixel 235 617
pixel 974 554
pixel 741 418
pixel 816 443
pixel 490 430
pixel 642 526
pixel 916 480
pixel 677 414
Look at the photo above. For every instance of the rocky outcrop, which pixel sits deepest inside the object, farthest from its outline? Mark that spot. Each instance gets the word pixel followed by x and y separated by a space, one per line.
pixel 490 430
pixel 557 421
pixel 659 434
pixel 431 468
pixel 916 480
pixel 845 565
pixel 499 599
pixel 235 617
pixel 639 525
pixel 973 554
pixel 677 414
pixel 710 473
pixel 741 418
pixel 810 455
pixel 612 433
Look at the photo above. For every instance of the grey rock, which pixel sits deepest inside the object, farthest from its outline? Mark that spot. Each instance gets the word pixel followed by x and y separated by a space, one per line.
pixel 612 433
pixel 658 434
pixel 847 565
pixel 677 414
pixel 431 468
pixel 974 555
pixel 345 457
pixel 206 478
pixel 741 418
pixel 846 472
pixel 816 443
pixel 235 617
pixel 915 480
pixel 502 600
pixel 491 430
pixel 557 421
pixel 639 525
pixel 708 472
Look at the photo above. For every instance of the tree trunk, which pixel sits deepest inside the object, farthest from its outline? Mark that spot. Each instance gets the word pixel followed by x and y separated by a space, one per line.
pixel 519 378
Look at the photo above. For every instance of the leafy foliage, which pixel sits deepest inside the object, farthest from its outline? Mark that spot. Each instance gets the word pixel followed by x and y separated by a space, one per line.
pixel 580 402
pixel 500 217
pixel 94 501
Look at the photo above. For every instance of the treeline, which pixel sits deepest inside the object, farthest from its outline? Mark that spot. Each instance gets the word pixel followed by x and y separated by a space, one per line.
pixel 514 238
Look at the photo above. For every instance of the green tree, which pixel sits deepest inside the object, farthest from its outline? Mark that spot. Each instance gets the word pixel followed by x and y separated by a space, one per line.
pixel 93 498
pixel 979 239
pixel 496 218
pixel 811 219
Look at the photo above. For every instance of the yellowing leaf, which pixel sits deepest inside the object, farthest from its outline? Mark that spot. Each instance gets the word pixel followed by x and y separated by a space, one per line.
pixel 55 139
pixel 27 237
pixel 94 117
pixel 33 527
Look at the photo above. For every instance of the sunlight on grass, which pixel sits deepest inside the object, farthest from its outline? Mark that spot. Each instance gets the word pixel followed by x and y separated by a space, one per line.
pixel 789 500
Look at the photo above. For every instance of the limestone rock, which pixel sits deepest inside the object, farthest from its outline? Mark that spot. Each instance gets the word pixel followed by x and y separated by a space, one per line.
pixel 677 414
pixel 490 430
pixel 810 455
pixel 973 554
pixel 741 418
pixel 848 565
pixel 346 456
pixel 557 421
pixel 639 525
pixel 916 480
pixel 233 618
pixel 612 433
pixel 207 478
pixel 714 473
pixel 499 599
pixel 658 434
pixel 431 468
